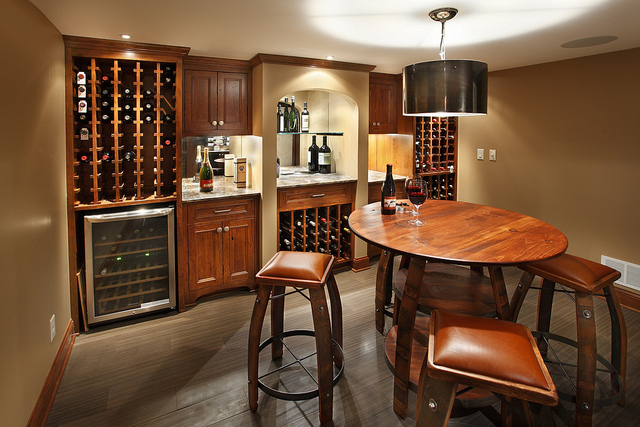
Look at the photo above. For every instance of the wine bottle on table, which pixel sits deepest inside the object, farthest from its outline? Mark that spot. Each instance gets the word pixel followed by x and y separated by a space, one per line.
pixel 206 173
pixel 324 157
pixel 388 194
pixel 313 155
pixel 304 119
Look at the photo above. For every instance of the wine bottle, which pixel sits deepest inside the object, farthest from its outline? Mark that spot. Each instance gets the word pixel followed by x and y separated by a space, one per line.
pixel 83 118
pixel 280 118
pixel 106 103
pixel 128 118
pixel 107 157
pixel 293 120
pixel 148 106
pixel 85 157
pixel 167 80
pixel 105 79
pixel 148 94
pixel 304 119
pixel 324 157
pixel 82 91
pixel 196 175
pixel 287 127
pixel 106 116
pixel 313 155
pixel 82 106
pixel 128 93
pixel 148 118
pixel 128 108
pixel 167 118
pixel 167 141
pixel 81 78
pixel 388 201
pixel 84 134
pixel 206 173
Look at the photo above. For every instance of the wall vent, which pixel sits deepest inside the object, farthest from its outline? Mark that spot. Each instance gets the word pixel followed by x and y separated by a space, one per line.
pixel 630 272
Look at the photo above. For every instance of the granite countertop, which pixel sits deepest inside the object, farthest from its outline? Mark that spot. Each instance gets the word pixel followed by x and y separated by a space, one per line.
pixel 222 188
pixel 375 176
pixel 297 176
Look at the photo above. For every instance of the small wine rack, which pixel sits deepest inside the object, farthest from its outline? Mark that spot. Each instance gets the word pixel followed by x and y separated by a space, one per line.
pixel 124 131
pixel 324 229
pixel 436 155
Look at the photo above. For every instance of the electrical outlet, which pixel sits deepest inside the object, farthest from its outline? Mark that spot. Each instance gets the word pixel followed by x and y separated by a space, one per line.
pixel 52 327
pixel 480 154
pixel 492 155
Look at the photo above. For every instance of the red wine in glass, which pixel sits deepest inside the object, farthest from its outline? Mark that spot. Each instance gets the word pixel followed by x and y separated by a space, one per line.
pixel 416 195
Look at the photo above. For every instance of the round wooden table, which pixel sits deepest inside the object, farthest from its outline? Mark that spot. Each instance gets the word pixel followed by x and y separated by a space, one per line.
pixel 454 232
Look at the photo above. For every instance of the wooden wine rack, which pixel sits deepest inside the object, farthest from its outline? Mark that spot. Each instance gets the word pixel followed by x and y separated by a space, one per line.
pixel 143 162
pixel 323 229
pixel 436 155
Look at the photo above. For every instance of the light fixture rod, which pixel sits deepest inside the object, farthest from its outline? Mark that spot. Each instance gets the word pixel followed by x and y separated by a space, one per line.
pixel 442 42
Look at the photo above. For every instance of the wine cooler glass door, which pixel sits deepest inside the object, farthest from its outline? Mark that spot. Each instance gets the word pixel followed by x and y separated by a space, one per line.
pixel 130 263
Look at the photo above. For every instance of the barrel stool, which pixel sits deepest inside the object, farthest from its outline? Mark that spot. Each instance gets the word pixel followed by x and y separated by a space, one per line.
pixel 300 270
pixel 586 278
pixel 491 354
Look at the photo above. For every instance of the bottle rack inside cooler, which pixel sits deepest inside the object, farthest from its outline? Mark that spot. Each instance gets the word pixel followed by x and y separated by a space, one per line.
pixel 435 155
pixel 324 229
pixel 125 143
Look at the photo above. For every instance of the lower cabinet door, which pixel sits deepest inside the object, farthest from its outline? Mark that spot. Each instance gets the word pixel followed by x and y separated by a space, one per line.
pixel 206 268
pixel 240 250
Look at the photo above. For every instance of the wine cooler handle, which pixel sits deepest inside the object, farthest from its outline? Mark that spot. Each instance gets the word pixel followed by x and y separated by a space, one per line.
pixel 214 123
pixel 222 211
pixel 226 228
pixel 221 123
pixel 317 195
pixel 219 230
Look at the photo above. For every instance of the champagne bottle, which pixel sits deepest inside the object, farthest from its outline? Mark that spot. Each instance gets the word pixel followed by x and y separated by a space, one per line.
pixel 196 175
pixel 287 126
pixel 280 122
pixel 313 155
pixel 293 120
pixel 324 157
pixel 304 119
pixel 388 194
pixel 206 173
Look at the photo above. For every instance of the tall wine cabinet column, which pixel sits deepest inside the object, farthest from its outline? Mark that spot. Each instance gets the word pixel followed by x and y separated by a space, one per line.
pixel 124 132
pixel 435 155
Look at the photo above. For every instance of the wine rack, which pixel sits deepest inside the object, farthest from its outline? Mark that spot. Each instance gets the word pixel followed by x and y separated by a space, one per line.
pixel 124 131
pixel 323 229
pixel 435 155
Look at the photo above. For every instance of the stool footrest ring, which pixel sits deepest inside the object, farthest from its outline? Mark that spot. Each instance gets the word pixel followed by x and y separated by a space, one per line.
pixel 305 395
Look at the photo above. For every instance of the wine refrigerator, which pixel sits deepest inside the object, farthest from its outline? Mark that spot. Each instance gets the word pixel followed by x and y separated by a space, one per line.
pixel 130 263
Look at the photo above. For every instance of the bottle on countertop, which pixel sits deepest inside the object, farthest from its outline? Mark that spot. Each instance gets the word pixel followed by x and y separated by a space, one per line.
pixel 388 201
pixel 313 156
pixel 304 119
pixel 196 175
pixel 206 173
pixel 324 157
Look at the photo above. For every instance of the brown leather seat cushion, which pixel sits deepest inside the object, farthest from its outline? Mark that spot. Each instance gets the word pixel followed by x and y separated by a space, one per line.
pixel 301 269
pixel 574 272
pixel 479 351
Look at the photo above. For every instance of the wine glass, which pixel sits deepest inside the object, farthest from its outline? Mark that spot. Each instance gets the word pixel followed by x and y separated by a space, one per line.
pixel 417 192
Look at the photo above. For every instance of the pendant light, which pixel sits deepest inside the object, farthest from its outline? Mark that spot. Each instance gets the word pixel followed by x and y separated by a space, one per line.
pixel 445 88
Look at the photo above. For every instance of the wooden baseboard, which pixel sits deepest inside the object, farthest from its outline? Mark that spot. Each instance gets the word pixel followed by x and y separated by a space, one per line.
pixel 43 405
pixel 629 298
pixel 360 264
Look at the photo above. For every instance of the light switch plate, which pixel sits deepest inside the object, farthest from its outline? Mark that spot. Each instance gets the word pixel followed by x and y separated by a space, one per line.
pixel 492 155
pixel 480 155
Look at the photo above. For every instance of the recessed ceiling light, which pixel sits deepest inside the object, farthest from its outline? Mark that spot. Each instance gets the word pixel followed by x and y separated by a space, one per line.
pixel 589 41
pixel 330 57
pixel 125 36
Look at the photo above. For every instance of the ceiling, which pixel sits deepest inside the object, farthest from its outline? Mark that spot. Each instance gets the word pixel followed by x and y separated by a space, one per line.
pixel 388 34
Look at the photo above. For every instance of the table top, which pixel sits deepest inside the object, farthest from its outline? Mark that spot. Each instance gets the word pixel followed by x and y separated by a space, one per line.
pixel 460 232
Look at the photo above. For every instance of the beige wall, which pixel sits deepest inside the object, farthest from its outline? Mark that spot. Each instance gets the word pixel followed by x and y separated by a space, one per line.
pixel 568 141
pixel 33 221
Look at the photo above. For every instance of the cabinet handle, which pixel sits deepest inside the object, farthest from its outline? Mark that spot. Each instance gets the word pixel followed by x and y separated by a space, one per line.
pixel 219 230
pixel 317 195
pixel 214 123
pixel 222 211
pixel 226 228
pixel 221 123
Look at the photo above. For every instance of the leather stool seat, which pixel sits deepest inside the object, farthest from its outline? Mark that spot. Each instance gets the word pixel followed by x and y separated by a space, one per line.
pixel 586 278
pixel 300 270
pixel 490 354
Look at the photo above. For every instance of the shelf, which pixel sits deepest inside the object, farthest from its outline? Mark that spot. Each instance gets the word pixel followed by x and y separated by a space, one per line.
pixel 435 155
pixel 312 133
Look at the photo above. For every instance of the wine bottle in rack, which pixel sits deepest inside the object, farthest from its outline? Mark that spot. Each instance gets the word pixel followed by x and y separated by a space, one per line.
pixel 285 113
pixel 105 79
pixel 168 141
pixel 206 173
pixel 81 78
pixel 127 118
pixel 324 157
pixel 106 116
pixel 168 80
pixel 105 103
pixel 388 194
pixel 85 157
pixel 127 93
pixel 304 119
pixel 83 106
pixel 148 118
pixel 129 156
pixel 280 120
pixel 84 134
pixel 313 156
pixel 293 119
pixel 148 94
pixel 167 119
pixel 82 91
pixel 127 108
pixel 148 106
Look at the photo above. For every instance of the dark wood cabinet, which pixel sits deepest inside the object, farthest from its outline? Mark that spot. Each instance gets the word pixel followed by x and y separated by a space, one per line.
pixel 216 101
pixel 382 104
pixel 221 247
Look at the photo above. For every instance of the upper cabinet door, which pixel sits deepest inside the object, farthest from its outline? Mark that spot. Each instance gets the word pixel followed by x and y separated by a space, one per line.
pixel 200 101
pixel 382 108
pixel 233 106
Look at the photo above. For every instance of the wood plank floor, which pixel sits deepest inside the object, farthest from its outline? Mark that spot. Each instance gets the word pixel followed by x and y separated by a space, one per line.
pixel 190 368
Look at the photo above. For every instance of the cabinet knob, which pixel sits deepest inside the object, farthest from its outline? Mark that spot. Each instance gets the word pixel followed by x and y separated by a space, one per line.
pixel 373 124
pixel 221 123
pixel 219 230
pixel 378 124
pixel 226 228
pixel 214 123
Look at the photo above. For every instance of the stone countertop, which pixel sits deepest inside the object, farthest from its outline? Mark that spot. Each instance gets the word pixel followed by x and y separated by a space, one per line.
pixel 297 176
pixel 222 188
pixel 375 176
